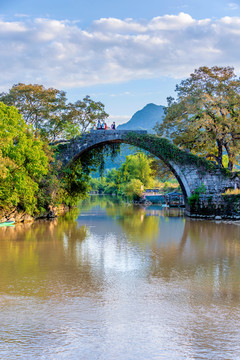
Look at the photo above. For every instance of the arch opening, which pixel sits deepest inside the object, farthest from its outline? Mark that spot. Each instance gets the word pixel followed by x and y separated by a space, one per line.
pixel 173 168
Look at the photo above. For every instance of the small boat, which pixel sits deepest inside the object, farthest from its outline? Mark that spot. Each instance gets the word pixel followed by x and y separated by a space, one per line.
pixel 7 223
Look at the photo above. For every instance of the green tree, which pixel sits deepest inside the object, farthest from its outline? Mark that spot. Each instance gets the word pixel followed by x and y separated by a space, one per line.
pixel 23 161
pixel 130 179
pixel 48 112
pixel 137 166
pixel 205 118
pixel 134 189
pixel 83 114
pixel 40 107
pixel 74 184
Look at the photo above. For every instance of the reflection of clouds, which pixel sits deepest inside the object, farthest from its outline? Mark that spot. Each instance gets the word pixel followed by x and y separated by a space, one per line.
pixel 110 252
pixel 121 238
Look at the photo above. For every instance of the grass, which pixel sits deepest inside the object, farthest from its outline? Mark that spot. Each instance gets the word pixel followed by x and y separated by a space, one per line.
pixel 232 192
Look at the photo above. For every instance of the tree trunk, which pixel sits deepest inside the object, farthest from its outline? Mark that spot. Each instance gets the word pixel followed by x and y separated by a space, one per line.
pixel 220 152
pixel 230 161
pixel 230 165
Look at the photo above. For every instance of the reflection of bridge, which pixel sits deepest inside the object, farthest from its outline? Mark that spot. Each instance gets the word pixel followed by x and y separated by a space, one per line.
pixel 190 170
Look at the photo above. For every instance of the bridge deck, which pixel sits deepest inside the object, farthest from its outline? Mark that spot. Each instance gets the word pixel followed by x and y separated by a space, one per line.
pixel 114 132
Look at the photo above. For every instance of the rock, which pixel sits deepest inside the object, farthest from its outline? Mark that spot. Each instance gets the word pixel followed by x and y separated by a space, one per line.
pixel 28 218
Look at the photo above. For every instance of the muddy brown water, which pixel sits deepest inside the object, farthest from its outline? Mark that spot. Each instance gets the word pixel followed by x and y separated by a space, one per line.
pixel 110 281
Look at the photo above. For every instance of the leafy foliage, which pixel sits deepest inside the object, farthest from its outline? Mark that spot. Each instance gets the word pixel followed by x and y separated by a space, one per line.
pixel 41 108
pixel 82 115
pixel 23 161
pixel 194 198
pixel 29 177
pixel 130 179
pixel 74 184
pixel 48 112
pixel 167 151
pixel 134 189
pixel 205 118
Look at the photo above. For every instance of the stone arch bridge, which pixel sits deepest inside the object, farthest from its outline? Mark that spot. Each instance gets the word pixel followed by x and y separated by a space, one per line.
pixel 190 170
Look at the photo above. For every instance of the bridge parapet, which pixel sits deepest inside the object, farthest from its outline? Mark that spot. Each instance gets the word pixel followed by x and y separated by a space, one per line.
pixel 97 136
pixel 117 134
pixel 73 148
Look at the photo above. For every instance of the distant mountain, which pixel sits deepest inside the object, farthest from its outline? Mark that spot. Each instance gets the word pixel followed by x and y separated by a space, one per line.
pixel 144 119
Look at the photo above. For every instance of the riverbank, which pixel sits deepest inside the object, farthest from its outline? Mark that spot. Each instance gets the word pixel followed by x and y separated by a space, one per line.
pixel 21 216
pixel 214 206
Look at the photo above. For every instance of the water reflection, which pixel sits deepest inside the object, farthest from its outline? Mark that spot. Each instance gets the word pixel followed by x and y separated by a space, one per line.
pixel 113 281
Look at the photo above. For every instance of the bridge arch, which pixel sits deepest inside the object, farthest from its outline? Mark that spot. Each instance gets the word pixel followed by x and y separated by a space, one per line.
pixel 191 171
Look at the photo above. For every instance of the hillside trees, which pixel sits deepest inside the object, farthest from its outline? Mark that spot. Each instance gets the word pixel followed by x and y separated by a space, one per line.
pixel 205 117
pixel 137 166
pixel 130 179
pixel 48 112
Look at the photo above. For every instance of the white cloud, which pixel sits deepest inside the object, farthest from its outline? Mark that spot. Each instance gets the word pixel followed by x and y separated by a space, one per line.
pixel 171 22
pixel 117 25
pixel 61 54
pixel 233 6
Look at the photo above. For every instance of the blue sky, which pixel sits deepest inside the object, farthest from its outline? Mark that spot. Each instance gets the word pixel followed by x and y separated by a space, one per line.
pixel 123 53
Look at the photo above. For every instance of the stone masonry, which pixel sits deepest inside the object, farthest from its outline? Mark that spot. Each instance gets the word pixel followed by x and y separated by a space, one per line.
pixel 189 176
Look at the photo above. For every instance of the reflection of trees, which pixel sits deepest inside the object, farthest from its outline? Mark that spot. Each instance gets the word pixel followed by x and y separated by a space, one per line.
pixel 205 252
pixel 133 220
pixel 137 222
pixel 48 257
pixel 208 254
pixel 44 258
pixel 103 202
pixel 138 227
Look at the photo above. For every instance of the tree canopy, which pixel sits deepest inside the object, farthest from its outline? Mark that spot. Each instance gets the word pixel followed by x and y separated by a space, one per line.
pixel 48 112
pixel 205 117
pixel 31 116
pixel 23 161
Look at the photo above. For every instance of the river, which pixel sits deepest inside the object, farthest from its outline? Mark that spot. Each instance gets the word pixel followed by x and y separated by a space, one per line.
pixel 110 281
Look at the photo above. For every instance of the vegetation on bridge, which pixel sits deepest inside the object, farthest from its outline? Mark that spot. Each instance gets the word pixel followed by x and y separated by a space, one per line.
pixel 167 151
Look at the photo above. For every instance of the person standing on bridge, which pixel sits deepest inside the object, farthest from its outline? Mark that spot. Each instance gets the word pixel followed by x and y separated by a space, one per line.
pixel 99 125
